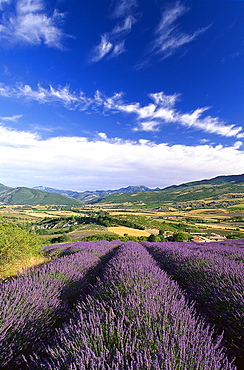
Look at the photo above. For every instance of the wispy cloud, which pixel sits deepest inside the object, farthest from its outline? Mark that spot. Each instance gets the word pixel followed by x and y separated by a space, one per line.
pixel 162 110
pixel 168 36
pixel 81 164
pixel 63 95
pixel 30 24
pixel 13 118
pixel 112 43
pixel 123 7
pixel 2 2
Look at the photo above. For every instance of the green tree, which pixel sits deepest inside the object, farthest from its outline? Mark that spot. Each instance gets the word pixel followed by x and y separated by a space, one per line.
pixel 235 236
pixel 61 239
pixel 17 244
pixel 152 238
pixel 180 237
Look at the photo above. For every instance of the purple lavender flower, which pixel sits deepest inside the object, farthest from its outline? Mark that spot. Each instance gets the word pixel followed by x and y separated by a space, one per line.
pixel 33 303
pixel 135 317
pixel 213 275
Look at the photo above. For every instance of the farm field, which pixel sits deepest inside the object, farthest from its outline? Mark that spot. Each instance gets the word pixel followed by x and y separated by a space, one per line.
pixel 121 230
pixel 222 221
pixel 53 224
pixel 127 305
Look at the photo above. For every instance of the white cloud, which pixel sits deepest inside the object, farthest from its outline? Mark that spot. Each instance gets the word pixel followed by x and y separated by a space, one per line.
pixel 148 126
pixel 102 49
pixel 124 7
pixel 118 49
pixel 12 138
pixel 124 27
pixel 209 124
pixel 79 164
pixel 112 43
pixel 168 37
pixel 148 117
pixel 164 100
pixel 5 91
pixel 103 136
pixel 13 118
pixel 31 25
pixel 2 3
pixel 62 95
pixel 151 116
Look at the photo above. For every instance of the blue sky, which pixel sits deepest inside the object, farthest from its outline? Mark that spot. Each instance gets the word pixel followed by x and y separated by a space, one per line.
pixel 104 94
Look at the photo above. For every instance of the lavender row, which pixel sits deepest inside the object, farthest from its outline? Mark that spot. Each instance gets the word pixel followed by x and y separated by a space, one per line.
pixel 231 249
pixel 215 282
pixel 136 317
pixel 98 247
pixel 33 303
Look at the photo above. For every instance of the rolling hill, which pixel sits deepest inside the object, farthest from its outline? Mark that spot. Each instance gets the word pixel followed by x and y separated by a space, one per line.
pixel 27 196
pixel 212 189
pixel 93 196
pixel 230 187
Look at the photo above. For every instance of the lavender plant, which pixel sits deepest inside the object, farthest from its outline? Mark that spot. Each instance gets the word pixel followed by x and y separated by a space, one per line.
pixel 213 279
pixel 33 303
pixel 136 317
pixel 98 247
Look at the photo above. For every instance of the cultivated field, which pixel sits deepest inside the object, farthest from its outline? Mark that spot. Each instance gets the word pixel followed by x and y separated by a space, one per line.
pixel 122 230
pixel 113 305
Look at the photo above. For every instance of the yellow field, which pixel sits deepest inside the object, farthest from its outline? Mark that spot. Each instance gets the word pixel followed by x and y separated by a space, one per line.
pixel 13 268
pixel 38 214
pixel 214 226
pixel 115 213
pixel 51 213
pixel 121 230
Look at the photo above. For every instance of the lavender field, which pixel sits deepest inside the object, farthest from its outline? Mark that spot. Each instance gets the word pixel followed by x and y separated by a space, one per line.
pixel 127 306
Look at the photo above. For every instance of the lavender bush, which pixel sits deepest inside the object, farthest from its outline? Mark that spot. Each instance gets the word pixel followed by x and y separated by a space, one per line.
pixel 136 317
pixel 33 303
pixel 233 251
pixel 213 279
pixel 98 247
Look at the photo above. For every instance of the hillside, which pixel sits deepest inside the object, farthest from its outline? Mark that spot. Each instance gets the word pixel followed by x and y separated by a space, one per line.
pixel 4 188
pixel 27 196
pixel 220 187
pixel 212 189
pixel 234 179
pixel 93 196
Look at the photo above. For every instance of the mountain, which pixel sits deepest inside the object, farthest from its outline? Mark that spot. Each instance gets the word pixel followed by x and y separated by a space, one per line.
pixel 27 196
pixel 234 179
pixel 208 189
pixel 65 193
pixel 4 188
pixel 221 186
pixel 92 196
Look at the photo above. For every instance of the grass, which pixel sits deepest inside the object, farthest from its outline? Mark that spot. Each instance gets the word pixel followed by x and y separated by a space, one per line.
pixel 12 269
pixel 237 206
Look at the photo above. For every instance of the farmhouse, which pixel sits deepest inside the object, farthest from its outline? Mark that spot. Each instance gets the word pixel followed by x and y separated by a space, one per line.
pixel 203 237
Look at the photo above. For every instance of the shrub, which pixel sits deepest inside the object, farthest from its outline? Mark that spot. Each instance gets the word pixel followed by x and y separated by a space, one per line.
pixel 61 239
pixel 17 244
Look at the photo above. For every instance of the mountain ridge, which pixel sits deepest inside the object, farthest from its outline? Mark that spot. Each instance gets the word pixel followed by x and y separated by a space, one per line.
pixel 220 186
pixel 91 196
pixel 194 190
